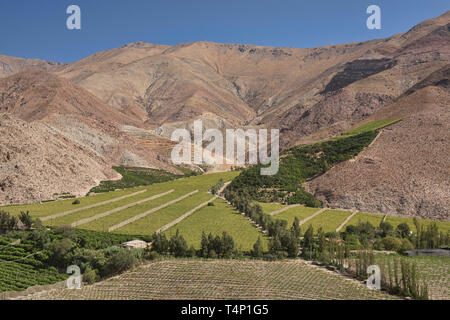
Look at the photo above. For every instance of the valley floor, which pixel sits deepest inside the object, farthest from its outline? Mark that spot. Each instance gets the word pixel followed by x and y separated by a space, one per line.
pixel 221 279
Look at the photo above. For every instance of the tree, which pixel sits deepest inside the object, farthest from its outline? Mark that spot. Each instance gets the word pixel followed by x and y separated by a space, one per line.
pixel 160 243
pixel 391 243
pixel 403 230
pixel 119 261
pixel 295 229
pixel 322 241
pixel 177 245
pixel 275 245
pixel 258 250
pixel 60 252
pixel 26 219
pixel 386 229
pixel 227 246
pixel 308 242
pixel 204 247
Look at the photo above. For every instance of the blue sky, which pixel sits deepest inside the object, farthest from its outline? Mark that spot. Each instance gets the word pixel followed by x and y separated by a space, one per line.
pixel 37 29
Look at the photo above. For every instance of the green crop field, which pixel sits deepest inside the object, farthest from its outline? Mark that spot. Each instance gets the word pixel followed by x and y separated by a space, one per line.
pixel 19 268
pixel 222 279
pixel 374 219
pixel 270 207
pixel 329 220
pixel 180 186
pixel 50 208
pixel 299 212
pixel 372 125
pixel 395 221
pixel 216 219
pixel 149 224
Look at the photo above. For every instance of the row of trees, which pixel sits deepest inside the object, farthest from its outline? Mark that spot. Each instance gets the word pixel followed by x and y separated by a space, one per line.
pixel 284 242
pixel 211 246
pixel 402 238
pixel 9 222
pixel 216 188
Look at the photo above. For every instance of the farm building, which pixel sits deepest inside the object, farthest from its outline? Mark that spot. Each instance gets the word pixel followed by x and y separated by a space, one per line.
pixel 134 244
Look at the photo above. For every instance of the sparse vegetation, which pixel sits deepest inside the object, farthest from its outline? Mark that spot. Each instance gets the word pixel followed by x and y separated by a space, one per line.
pixel 134 177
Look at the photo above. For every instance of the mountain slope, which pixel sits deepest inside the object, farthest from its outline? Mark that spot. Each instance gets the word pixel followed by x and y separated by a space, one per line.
pixel 35 164
pixel 406 170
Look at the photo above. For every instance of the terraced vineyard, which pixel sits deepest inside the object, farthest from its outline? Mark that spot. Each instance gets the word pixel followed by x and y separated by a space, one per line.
pixel 216 219
pixel 222 279
pixel 329 220
pixel 19 269
pixel 299 212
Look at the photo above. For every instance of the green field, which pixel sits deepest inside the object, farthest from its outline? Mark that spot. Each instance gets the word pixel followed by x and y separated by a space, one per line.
pixel 19 268
pixel 299 212
pixel 50 208
pixel 134 177
pixel 329 220
pixel 216 219
pixel 149 224
pixel 395 221
pixel 270 207
pixel 372 125
pixel 374 219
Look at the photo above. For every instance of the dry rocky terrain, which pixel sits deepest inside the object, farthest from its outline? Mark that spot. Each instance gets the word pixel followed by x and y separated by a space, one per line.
pixel 120 106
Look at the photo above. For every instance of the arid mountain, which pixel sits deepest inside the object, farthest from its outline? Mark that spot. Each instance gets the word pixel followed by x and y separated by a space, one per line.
pixel 123 104
pixel 406 170
pixel 35 163
pixel 82 120
pixel 12 65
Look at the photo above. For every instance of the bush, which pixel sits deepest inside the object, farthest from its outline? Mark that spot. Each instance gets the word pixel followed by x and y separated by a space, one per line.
pixel 392 244
pixel 76 202
pixel 152 255
pixel 210 204
pixel 120 261
pixel 90 275
pixel 406 245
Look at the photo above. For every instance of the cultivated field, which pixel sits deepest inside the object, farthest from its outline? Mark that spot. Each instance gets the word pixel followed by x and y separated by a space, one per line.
pixel 222 279
pixel 216 219
pixel 300 212
pixel 329 220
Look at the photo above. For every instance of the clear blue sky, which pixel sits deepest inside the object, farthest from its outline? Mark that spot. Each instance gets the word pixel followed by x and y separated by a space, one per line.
pixel 37 29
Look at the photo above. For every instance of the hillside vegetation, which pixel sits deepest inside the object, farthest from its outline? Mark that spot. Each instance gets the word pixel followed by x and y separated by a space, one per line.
pixel 296 166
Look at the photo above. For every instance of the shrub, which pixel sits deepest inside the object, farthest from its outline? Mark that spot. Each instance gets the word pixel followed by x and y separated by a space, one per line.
pixel 119 261
pixel 392 244
pixel 406 245
pixel 152 255
pixel 90 275
pixel 76 202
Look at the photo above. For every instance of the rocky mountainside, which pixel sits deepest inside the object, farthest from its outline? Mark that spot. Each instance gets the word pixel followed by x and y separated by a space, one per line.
pixel 123 104
pixel 35 163
pixel 406 170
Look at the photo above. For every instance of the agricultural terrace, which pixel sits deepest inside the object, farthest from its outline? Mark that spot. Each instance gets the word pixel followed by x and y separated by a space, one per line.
pixel 268 207
pixel 222 279
pixel 19 268
pixel 299 212
pixel 216 219
pixel 329 220
pixel 133 199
